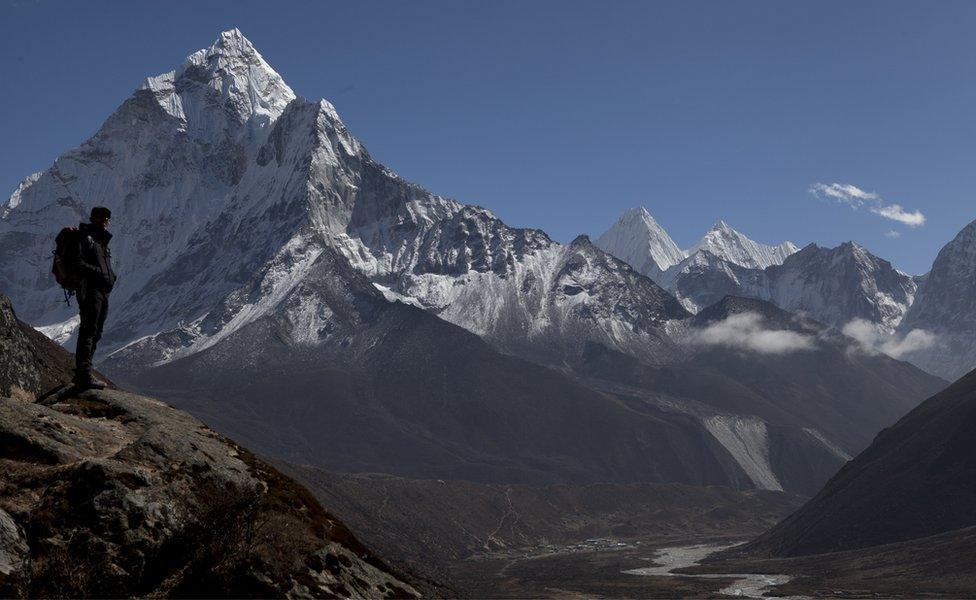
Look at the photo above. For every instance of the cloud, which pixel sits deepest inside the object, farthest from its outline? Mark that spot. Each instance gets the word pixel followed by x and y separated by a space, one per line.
pixel 896 213
pixel 893 234
pixel 844 192
pixel 855 197
pixel 873 341
pixel 748 331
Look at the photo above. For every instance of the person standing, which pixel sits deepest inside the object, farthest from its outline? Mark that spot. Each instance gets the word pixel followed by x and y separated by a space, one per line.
pixel 96 279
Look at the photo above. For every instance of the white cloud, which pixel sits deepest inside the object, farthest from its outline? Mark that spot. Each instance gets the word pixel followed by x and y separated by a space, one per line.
pixel 748 331
pixel 894 345
pixel 893 234
pixel 844 192
pixel 896 213
pixel 855 197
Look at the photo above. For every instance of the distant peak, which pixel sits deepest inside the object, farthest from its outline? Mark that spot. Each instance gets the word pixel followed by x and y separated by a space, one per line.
pixel 734 247
pixel 233 33
pixel 234 40
pixel 581 240
pixel 230 45
pixel 641 242
pixel 637 213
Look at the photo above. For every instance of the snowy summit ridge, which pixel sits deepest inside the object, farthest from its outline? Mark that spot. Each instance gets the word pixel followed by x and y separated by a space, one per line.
pixel 728 244
pixel 231 71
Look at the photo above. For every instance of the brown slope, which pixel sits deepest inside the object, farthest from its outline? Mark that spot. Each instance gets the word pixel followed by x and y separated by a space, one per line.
pixel 109 494
pixel 440 521
pixel 917 479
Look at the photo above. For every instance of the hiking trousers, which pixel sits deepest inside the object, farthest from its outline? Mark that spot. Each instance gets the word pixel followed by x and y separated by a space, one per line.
pixel 93 306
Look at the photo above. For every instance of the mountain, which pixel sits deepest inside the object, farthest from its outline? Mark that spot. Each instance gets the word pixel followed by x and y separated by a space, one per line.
pixel 837 285
pixel 917 479
pixel 946 305
pixel 388 387
pixel 763 354
pixel 833 285
pixel 227 188
pixel 109 494
pixel 704 278
pixel 638 240
pixel 303 298
pixel 730 245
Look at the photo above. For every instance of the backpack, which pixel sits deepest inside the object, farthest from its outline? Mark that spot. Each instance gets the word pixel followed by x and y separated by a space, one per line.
pixel 66 248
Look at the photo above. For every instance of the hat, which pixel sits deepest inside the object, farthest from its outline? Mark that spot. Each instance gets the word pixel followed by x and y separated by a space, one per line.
pixel 100 212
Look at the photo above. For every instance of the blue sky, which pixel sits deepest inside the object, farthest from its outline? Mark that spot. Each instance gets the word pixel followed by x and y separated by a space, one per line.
pixel 560 115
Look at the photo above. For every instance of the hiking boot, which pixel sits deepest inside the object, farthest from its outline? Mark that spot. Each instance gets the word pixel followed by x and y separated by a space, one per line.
pixel 83 382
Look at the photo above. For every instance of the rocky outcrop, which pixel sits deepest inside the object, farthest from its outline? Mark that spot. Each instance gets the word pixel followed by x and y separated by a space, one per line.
pixel 109 494
pixel 29 362
pixel 19 376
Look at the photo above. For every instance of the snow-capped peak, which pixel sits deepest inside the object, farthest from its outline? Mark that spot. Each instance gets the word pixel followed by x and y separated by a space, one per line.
pixel 247 86
pixel 728 244
pixel 637 239
pixel 14 200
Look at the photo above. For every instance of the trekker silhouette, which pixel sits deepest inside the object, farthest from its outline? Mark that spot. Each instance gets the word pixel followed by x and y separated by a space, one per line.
pixel 94 266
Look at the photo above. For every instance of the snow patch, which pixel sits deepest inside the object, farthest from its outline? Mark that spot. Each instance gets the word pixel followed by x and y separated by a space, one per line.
pixel 832 447
pixel 747 440
pixel 15 198
pixel 61 333
pixel 392 296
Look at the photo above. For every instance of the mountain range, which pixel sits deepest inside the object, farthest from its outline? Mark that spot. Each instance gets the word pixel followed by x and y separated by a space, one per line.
pixel 278 282
pixel 928 320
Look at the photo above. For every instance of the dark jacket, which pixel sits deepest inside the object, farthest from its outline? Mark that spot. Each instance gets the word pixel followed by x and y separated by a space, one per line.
pixel 94 258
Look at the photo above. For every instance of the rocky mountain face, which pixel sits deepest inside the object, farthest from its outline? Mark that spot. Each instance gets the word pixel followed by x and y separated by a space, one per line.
pixel 917 479
pixel 946 305
pixel 837 285
pixel 262 253
pixel 106 493
pixel 833 285
pixel 703 279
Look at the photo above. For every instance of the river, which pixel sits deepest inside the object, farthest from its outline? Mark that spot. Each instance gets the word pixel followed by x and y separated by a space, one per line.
pixel 746 585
